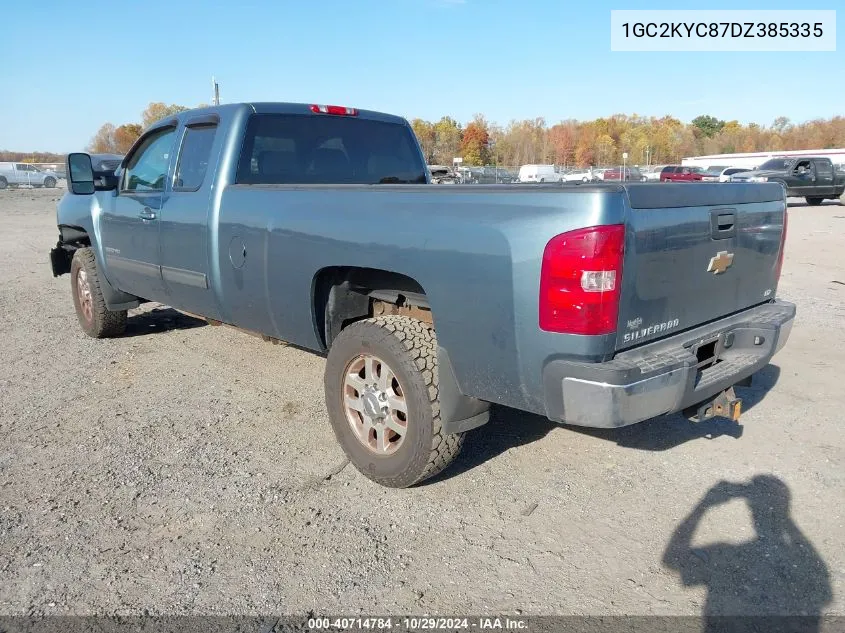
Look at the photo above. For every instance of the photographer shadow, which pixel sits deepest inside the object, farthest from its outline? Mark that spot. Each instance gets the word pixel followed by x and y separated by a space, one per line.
pixel 775 582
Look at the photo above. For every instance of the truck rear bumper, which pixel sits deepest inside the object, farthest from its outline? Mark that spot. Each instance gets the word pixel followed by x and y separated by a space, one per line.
pixel 669 375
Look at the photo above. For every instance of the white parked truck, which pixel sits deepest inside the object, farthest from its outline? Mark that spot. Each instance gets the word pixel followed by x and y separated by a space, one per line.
pixel 15 174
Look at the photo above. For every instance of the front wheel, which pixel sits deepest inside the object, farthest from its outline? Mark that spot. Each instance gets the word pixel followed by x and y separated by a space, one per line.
pixel 49 182
pixel 96 320
pixel 814 201
pixel 382 395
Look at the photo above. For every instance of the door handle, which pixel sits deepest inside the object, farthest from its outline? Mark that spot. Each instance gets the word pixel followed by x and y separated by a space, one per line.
pixel 147 214
pixel 722 223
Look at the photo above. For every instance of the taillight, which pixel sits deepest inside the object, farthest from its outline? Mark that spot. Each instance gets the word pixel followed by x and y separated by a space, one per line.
pixel 580 281
pixel 332 109
pixel 779 266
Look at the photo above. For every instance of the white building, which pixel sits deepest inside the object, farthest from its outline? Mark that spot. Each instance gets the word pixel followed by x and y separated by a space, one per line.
pixel 753 159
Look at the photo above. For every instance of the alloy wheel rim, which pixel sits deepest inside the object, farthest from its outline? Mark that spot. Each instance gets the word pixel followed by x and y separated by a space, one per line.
pixel 375 405
pixel 83 291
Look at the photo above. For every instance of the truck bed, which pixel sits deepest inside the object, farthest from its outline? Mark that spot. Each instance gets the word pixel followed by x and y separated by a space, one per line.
pixel 476 253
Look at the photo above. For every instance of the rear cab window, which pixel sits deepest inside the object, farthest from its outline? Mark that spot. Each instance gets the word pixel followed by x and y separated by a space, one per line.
pixel 303 149
pixel 194 157
pixel 824 167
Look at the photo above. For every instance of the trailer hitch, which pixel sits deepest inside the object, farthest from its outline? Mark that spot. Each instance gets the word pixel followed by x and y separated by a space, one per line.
pixel 725 405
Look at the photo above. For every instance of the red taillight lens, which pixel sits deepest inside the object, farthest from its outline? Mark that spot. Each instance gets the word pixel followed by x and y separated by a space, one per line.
pixel 779 266
pixel 580 281
pixel 333 109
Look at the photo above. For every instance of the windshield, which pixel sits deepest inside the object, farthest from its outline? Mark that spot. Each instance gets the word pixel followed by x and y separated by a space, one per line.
pixel 777 164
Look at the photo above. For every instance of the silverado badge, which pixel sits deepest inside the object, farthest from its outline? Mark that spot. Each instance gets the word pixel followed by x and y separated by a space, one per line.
pixel 720 262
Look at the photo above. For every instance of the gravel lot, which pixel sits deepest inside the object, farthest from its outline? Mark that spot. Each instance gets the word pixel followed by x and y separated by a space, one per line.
pixel 185 468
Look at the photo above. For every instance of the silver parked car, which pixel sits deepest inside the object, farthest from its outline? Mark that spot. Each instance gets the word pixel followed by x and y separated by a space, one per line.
pixel 15 174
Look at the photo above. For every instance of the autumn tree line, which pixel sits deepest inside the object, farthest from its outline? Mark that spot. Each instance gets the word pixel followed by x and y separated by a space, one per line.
pixel 109 139
pixel 647 140
pixel 117 140
pixel 570 143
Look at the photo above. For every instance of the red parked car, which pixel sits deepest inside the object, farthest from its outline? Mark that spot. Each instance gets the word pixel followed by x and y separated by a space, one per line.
pixel 677 173
pixel 631 173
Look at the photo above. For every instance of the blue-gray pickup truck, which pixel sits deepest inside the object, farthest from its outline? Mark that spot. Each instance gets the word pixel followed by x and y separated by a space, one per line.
pixel 599 305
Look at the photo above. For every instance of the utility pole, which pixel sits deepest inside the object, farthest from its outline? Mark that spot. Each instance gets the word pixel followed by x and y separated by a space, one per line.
pixel 215 95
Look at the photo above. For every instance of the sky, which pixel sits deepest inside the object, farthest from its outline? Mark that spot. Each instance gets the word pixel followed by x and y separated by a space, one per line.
pixel 77 67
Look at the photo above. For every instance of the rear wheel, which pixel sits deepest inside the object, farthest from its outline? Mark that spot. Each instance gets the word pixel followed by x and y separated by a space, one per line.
pixel 382 395
pixel 814 201
pixel 3 183
pixel 94 317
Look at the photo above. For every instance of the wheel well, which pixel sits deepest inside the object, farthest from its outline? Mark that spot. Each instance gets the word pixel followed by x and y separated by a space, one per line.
pixel 71 238
pixel 343 295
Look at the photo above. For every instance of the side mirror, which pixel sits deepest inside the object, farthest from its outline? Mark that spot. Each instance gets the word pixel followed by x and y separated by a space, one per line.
pixel 80 174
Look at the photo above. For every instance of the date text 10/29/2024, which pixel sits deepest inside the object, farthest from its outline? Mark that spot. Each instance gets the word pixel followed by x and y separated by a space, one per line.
pixel 418 623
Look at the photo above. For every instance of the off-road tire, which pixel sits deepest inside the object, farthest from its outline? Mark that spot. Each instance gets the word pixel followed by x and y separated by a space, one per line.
pixel 409 347
pixel 49 182
pixel 3 183
pixel 103 322
pixel 814 201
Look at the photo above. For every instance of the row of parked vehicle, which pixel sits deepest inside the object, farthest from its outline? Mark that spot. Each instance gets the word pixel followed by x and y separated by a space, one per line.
pixel 662 173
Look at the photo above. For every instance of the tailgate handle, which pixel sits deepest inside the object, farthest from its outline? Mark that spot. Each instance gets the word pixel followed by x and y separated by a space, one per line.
pixel 722 224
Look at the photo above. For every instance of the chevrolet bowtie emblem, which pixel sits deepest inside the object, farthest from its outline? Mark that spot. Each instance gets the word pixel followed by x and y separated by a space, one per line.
pixel 720 262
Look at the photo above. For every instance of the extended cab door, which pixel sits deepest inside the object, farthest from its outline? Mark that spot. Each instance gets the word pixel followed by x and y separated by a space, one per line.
pixel 802 180
pixel 183 230
pixel 129 225
pixel 22 174
pixel 824 177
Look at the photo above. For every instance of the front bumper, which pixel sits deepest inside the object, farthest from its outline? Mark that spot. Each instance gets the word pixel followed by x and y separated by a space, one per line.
pixel 665 377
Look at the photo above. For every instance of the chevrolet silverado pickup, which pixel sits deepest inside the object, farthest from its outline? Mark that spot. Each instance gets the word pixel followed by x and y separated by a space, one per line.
pixel 600 305
pixel 811 178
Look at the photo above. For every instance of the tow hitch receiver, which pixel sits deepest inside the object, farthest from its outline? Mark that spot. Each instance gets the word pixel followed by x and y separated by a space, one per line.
pixel 725 405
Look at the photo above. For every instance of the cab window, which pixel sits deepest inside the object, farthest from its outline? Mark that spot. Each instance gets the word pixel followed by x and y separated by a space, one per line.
pixel 147 167
pixel 803 167
pixel 823 168
pixel 194 157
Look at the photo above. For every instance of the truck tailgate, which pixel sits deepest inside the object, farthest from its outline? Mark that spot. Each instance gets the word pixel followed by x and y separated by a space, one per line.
pixel 695 253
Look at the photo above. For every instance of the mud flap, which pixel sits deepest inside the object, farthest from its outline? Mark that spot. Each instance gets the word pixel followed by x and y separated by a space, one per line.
pixel 458 413
pixel 60 261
